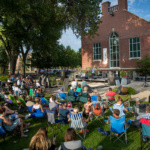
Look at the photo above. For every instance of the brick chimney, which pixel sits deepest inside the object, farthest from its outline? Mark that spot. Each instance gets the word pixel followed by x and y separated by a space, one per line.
pixel 105 7
pixel 123 4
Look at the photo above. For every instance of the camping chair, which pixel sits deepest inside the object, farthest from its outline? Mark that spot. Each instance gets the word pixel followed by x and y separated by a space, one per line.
pixel 30 108
pixel 70 97
pixel 2 131
pixel 145 132
pixel 37 114
pixel 94 98
pixel 52 123
pixel 98 116
pixel 77 123
pixel 44 101
pixel 118 126
pixel 62 96
pixel 110 102
pixel 140 110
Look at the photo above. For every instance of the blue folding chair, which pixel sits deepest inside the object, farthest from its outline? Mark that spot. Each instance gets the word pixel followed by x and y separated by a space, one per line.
pixel 94 98
pixel 118 126
pixel 62 96
pixel 30 108
pixel 145 132
pixel 38 113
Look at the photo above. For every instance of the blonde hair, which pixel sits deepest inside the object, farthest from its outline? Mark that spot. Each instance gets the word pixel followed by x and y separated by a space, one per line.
pixel 40 140
pixel 76 110
pixel 85 88
pixel 37 99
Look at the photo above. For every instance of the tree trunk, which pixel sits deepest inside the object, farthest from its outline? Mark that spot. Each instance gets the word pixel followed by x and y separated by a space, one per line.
pixel 13 62
pixel 23 67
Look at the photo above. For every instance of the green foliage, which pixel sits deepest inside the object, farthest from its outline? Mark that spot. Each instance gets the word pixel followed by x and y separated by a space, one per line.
pixel 130 90
pixel 122 73
pixel 143 66
pixel 4 78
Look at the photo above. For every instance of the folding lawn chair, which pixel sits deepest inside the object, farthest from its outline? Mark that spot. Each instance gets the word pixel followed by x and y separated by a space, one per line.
pixel 37 113
pixel 94 98
pixel 145 133
pixel 78 124
pixel 110 102
pixel 62 96
pixel 98 116
pixel 52 123
pixel 118 126
pixel 140 109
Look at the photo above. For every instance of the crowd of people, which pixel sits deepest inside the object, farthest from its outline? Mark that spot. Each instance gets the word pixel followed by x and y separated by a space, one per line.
pixel 38 106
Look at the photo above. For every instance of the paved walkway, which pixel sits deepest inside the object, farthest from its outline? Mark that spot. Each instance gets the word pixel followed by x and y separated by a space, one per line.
pixel 141 92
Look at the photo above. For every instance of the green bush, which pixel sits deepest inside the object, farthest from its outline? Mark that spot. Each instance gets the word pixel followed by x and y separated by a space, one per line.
pixel 4 78
pixel 122 73
pixel 130 90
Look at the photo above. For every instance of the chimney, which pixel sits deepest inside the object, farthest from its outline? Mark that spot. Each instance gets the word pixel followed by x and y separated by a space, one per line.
pixel 105 7
pixel 123 4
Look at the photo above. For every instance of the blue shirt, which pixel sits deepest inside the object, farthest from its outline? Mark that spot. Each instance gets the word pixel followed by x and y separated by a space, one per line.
pixel 146 116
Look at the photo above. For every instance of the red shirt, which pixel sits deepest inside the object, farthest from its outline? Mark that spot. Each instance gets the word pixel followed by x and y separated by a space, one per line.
pixel 111 93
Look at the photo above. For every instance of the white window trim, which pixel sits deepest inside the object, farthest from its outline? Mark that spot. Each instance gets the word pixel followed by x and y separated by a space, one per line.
pixel 96 54
pixel 129 49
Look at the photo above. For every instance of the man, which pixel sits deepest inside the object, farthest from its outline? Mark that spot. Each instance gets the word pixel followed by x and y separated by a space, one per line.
pixel 87 106
pixel 110 93
pixel 93 72
pixel 147 115
pixel 83 84
pixel 53 105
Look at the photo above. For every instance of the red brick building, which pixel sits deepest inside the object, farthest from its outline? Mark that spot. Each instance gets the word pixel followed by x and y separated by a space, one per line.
pixel 123 39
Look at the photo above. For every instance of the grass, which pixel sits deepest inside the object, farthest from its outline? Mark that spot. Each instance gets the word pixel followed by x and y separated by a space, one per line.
pixel 93 139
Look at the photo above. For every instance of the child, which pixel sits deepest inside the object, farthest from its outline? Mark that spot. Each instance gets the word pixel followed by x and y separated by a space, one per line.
pixel 87 106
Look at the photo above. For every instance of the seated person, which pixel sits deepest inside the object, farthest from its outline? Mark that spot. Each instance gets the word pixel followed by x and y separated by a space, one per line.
pixel 137 102
pixel 120 106
pixel 59 91
pixel 37 105
pixel 83 84
pixel 100 103
pixel 116 114
pixel 71 89
pixel 97 109
pixel 95 92
pixel 41 141
pixel 53 105
pixel 29 102
pixel 63 113
pixel 147 114
pixel 13 113
pixel 87 106
pixel 71 141
pixel 111 94
pixel 74 84
pixel 11 125
pixel 79 89
pixel 124 91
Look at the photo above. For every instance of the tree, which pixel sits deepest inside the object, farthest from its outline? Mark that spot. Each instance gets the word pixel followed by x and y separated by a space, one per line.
pixel 143 67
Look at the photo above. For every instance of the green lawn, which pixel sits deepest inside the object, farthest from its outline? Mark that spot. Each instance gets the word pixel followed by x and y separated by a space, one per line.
pixel 93 139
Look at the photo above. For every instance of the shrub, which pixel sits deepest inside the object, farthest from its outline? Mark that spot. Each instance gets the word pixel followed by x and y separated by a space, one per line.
pixel 130 90
pixel 4 78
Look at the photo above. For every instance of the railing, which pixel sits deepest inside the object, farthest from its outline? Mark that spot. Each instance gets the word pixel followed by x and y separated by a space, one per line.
pixel 113 8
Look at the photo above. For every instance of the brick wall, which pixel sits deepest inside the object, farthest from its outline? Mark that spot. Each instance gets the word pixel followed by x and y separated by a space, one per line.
pixel 126 25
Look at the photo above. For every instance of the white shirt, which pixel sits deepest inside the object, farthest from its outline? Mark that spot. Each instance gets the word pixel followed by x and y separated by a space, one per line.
pixel 36 106
pixel 18 82
pixel 74 84
pixel 37 84
pixel 93 70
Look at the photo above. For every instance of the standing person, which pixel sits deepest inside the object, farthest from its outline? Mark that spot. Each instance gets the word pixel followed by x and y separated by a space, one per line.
pixel 93 72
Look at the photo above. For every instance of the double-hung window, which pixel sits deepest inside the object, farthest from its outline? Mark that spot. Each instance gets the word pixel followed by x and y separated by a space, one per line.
pixel 97 51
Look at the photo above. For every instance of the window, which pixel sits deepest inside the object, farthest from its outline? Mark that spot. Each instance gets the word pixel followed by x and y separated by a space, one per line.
pixel 96 51
pixel 135 47
pixel 114 50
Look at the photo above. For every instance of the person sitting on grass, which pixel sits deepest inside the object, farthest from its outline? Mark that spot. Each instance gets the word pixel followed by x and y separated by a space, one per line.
pixel 88 106
pixel 40 141
pixel 71 141
pixel 37 105
pixel 11 125
pixel 63 114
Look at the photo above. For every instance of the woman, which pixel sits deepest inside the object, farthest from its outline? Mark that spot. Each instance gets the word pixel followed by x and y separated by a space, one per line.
pixel 79 89
pixel 40 141
pixel 71 142
pixel 37 105
pixel 11 125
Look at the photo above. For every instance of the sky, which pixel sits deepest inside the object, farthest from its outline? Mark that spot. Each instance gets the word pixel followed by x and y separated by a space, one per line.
pixel 139 7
